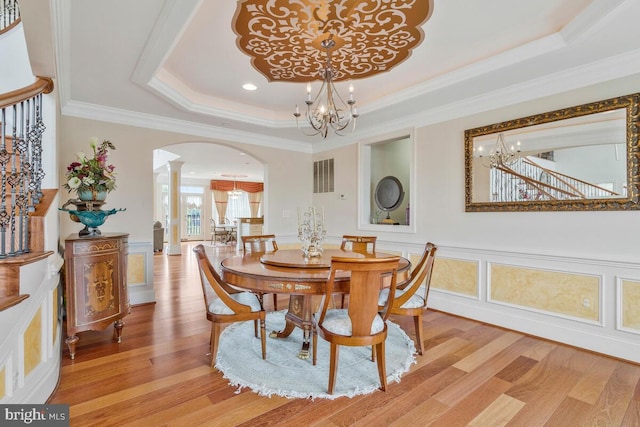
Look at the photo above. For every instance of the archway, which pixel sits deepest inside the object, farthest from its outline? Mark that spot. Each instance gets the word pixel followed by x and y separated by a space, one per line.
pixel 202 162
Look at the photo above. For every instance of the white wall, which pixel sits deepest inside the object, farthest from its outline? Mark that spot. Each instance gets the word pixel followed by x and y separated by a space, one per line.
pixel 597 165
pixel 288 176
pixel 340 214
pixel 13 46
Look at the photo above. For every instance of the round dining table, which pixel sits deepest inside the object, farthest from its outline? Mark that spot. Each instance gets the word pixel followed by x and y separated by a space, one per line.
pixel 304 279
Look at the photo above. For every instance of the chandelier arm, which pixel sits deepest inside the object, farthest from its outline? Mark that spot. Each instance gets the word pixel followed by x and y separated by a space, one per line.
pixel 316 132
pixel 315 116
pixel 346 107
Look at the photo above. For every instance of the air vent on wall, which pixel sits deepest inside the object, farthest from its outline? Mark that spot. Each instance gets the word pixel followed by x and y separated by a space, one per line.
pixel 323 176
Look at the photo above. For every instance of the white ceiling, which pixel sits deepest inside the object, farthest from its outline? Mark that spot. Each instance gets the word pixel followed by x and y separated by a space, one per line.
pixel 174 65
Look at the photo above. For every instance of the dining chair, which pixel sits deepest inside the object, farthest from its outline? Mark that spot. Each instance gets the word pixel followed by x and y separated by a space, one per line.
pixel 260 244
pixel 218 232
pixel 359 244
pixel 411 296
pixel 224 304
pixel 231 229
pixel 361 324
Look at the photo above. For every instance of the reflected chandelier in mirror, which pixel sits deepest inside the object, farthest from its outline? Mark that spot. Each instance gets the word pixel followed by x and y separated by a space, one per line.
pixel 578 158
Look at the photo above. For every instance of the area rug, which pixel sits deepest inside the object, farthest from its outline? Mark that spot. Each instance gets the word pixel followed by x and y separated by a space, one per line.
pixel 284 374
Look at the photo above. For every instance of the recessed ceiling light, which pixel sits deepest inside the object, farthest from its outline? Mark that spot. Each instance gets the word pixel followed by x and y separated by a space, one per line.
pixel 249 86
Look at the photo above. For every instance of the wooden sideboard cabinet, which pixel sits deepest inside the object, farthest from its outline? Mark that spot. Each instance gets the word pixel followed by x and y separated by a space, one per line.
pixel 95 284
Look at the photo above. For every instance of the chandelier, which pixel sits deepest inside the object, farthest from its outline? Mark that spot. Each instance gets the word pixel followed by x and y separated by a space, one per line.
pixel 328 109
pixel 235 193
pixel 500 154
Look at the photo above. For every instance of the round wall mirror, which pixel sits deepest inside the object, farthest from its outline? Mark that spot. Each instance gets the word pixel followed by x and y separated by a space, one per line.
pixel 389 195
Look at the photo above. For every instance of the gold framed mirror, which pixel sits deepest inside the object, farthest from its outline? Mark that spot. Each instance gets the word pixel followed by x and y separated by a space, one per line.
pixel 580 158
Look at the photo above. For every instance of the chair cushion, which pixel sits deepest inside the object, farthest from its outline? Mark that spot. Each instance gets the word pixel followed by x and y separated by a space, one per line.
pixel 416 301
pixel 338 322
pixel 246 298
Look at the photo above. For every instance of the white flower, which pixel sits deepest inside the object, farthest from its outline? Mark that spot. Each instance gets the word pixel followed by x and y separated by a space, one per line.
pixel 93 142
pixel 88 181
pixel 81 156
pixel 74 183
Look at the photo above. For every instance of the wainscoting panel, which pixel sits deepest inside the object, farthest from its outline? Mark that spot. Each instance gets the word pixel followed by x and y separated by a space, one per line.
pixel 629 305
pixel 456 276
pixel 30 351
pixel 534 293
pixel 140 273
pixel 588 303
pixel 554 292
pixel 33 343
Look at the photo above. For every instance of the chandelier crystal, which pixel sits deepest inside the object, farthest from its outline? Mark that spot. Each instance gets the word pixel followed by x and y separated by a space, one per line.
pixel 328 110
pixel 500 154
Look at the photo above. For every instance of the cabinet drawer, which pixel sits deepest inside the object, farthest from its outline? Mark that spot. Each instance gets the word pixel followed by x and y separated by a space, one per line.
pixel 83 247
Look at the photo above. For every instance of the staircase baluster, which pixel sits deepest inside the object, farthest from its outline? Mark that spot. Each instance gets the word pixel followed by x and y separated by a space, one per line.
pixel 21 171
pixel 4 215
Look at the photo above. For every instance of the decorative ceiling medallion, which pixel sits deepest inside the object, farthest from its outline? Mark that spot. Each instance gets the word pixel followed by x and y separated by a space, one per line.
pixel 372 36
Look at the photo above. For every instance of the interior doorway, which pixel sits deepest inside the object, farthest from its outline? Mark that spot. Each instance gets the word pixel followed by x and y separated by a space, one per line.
pixel 191 206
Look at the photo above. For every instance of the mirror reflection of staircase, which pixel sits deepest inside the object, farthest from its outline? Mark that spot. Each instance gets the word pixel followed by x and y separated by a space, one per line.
pixel 527 180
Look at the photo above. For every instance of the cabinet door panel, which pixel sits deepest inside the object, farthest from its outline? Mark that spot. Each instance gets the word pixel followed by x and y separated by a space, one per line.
pixel 97 290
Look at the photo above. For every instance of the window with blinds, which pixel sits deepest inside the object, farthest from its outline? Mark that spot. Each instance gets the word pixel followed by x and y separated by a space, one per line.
pixel 323 176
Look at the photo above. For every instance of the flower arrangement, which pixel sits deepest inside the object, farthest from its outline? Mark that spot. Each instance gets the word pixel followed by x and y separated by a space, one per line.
pixel 92 174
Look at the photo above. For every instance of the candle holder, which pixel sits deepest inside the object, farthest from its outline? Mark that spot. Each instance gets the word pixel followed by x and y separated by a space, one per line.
pixel 311 232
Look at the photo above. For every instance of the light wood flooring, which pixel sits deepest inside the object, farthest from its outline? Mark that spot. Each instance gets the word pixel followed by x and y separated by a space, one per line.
pixel 471 374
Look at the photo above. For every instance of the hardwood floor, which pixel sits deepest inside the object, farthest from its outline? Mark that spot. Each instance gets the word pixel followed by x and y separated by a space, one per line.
pixel 471 374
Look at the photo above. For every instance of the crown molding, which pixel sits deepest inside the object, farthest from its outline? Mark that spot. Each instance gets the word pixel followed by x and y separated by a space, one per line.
pixel 593 17
pixel 167 124
pixel 61 11
pixel 171 24
pixel 167 86
pixel 608 69
pixel 602 71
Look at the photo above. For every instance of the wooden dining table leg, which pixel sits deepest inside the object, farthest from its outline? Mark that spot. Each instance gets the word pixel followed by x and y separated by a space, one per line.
pixel 299 314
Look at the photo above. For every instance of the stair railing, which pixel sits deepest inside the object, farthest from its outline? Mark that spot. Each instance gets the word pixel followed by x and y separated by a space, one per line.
pixel 9 15
pixel 581 188
pixel 526 180
pixel 511 186
pixel 21 172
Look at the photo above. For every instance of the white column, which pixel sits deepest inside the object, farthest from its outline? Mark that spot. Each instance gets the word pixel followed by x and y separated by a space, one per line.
pixel 174 225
